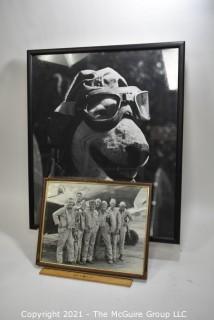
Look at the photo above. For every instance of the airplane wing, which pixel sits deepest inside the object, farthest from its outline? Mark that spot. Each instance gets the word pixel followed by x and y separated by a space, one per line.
pixel 136 211
pixel 140 204
pixel 58 194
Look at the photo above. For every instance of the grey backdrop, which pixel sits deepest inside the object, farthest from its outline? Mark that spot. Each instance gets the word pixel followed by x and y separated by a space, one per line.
pixel 180 277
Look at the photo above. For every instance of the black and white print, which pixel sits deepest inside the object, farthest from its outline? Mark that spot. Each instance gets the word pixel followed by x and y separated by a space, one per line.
pixel 97 226
pixel 109 115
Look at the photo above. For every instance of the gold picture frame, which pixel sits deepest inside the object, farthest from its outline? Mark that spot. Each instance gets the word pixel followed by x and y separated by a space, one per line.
pixel 123 229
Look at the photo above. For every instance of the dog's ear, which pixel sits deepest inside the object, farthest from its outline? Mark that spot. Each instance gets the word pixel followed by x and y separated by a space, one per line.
pixel 76 87
pixel 75 91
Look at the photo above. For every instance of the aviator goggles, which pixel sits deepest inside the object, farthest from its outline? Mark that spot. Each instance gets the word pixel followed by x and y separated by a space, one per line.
pixel 105 107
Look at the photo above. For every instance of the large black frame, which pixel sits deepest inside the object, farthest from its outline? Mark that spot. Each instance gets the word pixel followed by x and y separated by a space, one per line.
pixel 31 54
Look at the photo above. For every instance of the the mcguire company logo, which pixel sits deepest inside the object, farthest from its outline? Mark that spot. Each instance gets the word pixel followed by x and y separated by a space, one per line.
pixel 113 314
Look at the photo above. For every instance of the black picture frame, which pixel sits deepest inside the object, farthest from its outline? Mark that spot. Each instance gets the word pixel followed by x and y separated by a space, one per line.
pixel 34 77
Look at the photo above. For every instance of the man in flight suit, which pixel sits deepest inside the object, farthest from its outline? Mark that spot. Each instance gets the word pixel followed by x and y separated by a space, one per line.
pixel 78 232
pixel 80 201
pixel 98 204
pixel 113 211
pixel 125 218
pixel 97 241
pixel 64 219
pixel 91 227
pixel 106 226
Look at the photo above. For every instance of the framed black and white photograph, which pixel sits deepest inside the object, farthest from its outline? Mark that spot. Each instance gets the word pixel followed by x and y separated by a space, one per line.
pixel 109 113
pixel 102 227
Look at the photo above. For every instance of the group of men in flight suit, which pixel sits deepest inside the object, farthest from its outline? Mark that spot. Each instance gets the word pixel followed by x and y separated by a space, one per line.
pixel 82 225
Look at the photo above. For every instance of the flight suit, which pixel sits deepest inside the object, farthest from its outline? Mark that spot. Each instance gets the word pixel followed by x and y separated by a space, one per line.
pixel 91 227
pixel 115 232
pixel 78 235
pixel 125 217
pixel 64 218
pixel 106 226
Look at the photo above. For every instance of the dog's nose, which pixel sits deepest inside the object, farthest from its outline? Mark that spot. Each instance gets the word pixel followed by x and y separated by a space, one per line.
pixel 137 154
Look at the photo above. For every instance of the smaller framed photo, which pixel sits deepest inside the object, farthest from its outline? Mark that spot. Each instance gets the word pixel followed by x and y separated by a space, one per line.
pixel 95 227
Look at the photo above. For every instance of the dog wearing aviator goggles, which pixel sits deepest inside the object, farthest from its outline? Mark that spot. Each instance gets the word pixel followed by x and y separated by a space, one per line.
pixel 108 141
